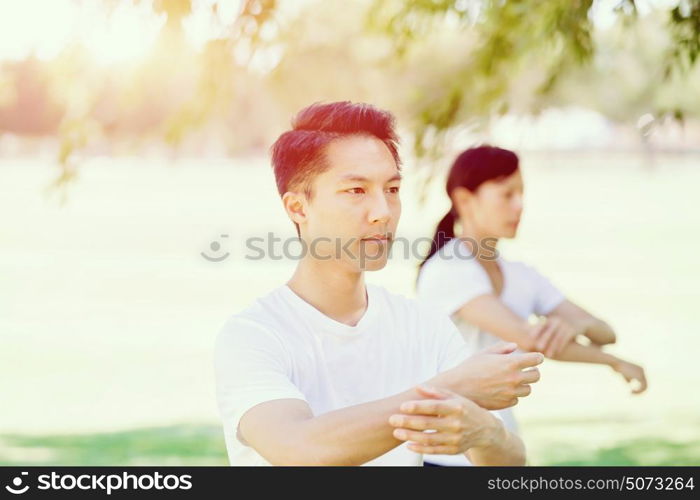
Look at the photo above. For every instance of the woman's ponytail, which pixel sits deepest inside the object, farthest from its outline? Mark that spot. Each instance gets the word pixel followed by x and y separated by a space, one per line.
pixel 445 232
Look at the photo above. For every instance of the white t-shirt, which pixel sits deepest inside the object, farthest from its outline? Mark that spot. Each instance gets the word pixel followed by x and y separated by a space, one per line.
pixel 452 277
pixel 282 347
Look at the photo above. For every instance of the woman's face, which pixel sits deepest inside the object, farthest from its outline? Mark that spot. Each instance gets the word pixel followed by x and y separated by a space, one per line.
pixel 495 208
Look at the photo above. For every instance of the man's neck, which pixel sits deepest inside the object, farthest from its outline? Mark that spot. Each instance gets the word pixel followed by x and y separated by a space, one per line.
pixel 336 292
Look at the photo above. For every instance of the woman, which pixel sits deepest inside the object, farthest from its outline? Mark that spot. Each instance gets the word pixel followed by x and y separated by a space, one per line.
pixel 492 299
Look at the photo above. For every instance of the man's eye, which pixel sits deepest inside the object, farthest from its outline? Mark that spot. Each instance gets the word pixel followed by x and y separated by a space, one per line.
pixel 393 190
pixel 355 190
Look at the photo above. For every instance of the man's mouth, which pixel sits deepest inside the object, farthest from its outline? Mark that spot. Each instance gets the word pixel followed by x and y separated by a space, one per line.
pixel 377 237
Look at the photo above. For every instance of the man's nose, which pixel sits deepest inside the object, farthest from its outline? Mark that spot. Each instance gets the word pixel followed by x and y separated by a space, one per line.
pixel 379 210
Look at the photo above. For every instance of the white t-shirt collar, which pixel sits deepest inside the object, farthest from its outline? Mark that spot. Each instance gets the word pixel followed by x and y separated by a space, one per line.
pixel 328 324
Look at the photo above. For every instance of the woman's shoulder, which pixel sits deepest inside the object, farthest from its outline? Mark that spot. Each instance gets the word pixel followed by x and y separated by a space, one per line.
pixel 451 278
pixel 518 266
pixel 452 255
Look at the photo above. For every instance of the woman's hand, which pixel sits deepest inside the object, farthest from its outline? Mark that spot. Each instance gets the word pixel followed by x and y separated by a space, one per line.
pixel 552 335
pixel 632 373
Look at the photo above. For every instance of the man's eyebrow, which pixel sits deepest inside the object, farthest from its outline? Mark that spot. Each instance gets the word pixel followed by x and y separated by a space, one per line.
pixel 359 178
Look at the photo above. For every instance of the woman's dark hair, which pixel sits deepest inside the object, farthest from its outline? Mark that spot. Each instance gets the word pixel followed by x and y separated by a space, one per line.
pixel 470 170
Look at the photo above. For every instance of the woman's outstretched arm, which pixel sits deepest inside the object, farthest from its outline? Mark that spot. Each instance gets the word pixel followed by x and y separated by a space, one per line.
pixel 597 330
pixel 554 337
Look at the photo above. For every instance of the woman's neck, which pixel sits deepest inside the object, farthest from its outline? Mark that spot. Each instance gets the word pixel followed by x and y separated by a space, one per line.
pixel 470 236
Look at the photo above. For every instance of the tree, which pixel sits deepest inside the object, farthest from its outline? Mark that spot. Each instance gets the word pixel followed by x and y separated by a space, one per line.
pixel 495 56
pixel 513 55
pixel 440 64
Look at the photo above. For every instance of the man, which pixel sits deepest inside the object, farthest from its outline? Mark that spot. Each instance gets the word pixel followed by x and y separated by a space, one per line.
pixel 326 370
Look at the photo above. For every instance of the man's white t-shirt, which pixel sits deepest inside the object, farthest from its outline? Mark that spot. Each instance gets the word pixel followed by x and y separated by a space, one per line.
pixel 282 347
pixel 452 277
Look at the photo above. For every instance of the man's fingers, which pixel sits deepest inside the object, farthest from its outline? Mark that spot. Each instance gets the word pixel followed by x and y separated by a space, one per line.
pixel 424 423
pixel 523 390
pixel 530 376
pixel 429 407
pixel 501 348
pixel 506 404
pixel 427 438
pixel 529 359
pixel 434 450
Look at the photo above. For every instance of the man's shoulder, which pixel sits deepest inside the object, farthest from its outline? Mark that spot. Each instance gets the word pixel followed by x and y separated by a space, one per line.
pixel 257 317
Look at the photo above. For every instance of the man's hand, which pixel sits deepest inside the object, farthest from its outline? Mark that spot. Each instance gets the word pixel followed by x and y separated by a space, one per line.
pixel 552 335
pixel 494 378
pixel 458 423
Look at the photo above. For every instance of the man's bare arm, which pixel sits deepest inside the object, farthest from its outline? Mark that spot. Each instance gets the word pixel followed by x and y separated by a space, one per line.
pixel 286 432
pixel 506 448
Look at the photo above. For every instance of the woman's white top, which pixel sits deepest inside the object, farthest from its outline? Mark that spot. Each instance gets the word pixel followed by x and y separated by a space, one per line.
pixel 453 276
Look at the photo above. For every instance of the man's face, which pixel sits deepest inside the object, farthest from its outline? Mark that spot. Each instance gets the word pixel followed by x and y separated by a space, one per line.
pixel 355 207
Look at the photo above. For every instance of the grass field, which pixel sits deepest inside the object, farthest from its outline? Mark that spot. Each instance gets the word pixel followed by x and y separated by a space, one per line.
pixel 108 312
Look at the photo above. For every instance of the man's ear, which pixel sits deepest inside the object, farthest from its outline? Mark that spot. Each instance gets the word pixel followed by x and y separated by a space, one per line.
pixel 295 205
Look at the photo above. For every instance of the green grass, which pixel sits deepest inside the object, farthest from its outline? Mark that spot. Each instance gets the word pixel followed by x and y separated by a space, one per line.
pixel 613 441
pixel 641 451
pixel 173 445
pixel 557 443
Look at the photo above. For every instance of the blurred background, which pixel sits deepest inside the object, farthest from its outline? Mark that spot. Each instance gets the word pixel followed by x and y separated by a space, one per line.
pixel 134 137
